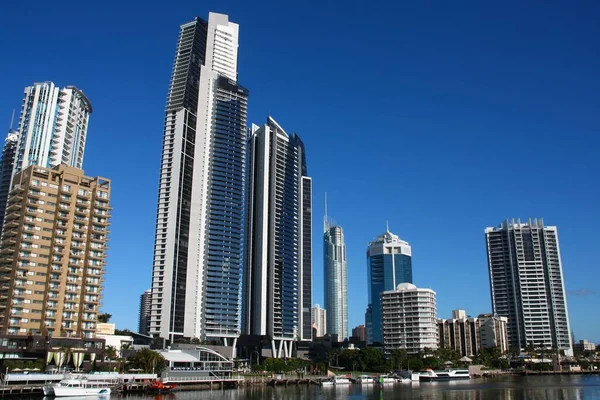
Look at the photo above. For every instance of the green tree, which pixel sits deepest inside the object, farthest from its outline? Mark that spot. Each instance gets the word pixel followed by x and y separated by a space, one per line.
pixel 398 359
pixel 104 317
pixel 148 361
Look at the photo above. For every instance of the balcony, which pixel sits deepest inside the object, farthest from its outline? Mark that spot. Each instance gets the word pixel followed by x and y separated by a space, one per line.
pixel 103 206
pixel 9 241
pixel 62 216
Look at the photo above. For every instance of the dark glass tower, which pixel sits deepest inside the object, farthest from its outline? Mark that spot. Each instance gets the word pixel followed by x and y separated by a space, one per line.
pixel 278 257
pixel 389 263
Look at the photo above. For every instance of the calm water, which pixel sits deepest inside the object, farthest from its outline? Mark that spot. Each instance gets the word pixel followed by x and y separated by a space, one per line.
pixel 509 388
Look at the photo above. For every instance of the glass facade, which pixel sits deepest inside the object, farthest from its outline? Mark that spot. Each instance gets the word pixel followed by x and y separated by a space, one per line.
pixel 198 244
pixel 278 256
pixel 335 281
pixel 389 263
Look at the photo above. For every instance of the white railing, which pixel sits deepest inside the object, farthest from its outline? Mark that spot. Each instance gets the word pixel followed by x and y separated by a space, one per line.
pixel 202 378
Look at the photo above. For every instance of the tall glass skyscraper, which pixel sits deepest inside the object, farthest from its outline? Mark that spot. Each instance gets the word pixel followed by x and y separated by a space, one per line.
pixel 335 283
pixel 198 243
pixel 278 257
pixel 527 284
pixel 389 263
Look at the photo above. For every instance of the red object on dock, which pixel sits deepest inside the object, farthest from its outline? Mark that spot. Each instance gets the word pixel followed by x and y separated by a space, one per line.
pixel 158 386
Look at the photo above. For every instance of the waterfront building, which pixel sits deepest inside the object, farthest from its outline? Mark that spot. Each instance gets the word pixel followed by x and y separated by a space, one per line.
pixel 52 254
pixel 145 304
pixel 388 264
pixel 335 282
pixel 527 284
pixel 360 333
pixel 319 320
pixel 277 297
pixel 469 335
pixel 197 264
pixel 409 319
pixel 6 170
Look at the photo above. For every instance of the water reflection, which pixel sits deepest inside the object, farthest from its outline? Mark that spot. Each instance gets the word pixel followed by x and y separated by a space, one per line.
pixel 506 388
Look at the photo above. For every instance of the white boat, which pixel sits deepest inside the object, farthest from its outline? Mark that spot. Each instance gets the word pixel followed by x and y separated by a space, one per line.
pixel 341 380
pixel 404 380
pixel 78 386
pixel 328 382
pixel 365 379
pixel 446 375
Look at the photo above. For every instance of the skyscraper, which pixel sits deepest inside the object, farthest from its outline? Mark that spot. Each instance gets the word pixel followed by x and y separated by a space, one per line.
pixel 53 252
pixel 278 256
pixel 52 130
pixel 335 282
pixel 52 126
pixel 6 169
pixel 527 284
pixel 145 304
pixel 388 264
pixel 199 226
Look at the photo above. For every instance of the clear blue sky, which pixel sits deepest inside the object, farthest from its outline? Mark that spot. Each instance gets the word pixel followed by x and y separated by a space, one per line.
pixel 438 117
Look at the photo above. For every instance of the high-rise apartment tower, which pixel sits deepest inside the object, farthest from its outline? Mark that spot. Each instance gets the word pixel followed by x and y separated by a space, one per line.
pixel 52 127
pixel 6 170
pixel 52 130
pixel 409 319
pixel 52 252
pixel 278 249
pixel 145 304
pixel 335 282
pixel 527 284
pixel 196 274
pixel 319 320
pixel 388 264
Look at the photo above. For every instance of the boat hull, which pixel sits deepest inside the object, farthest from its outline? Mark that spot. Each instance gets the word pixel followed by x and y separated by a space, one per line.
pixel 443 378
pixel 80 391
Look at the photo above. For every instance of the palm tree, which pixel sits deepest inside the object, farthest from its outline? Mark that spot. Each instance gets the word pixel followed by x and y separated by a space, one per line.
pixel 111 353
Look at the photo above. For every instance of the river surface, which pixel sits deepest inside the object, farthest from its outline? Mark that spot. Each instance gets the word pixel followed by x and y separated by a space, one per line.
pixel 505 388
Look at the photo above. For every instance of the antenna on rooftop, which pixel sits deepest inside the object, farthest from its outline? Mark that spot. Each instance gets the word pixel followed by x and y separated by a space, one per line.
pixel 387 226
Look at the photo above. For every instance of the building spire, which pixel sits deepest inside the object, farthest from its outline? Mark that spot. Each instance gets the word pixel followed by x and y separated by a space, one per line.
pixel 387 226
pixel 12 119
pixel 325 223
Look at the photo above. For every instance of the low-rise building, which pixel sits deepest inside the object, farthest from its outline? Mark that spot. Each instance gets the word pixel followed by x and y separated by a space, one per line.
pixel 469 335
pixel 584 345
pixel 409 319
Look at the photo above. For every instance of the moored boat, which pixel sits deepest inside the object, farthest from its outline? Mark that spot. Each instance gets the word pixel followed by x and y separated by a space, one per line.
pixel 445 375
pixel 341 380
pixel 365 379
pixel 78 386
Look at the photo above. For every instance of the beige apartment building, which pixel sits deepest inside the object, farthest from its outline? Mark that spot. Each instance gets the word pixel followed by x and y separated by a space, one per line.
pixel 469 335
pixel 52 252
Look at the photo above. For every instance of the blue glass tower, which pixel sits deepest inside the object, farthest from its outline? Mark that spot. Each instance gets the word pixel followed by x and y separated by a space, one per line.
pixel 389 263
pixel 277 291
